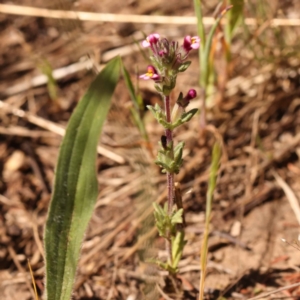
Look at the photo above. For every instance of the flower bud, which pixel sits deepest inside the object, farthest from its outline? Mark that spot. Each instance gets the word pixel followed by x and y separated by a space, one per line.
pixel 184 101
pixel 191 94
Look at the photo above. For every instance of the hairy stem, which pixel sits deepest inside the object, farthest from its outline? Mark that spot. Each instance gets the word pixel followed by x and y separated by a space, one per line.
pixel 169 135
pixel 170 176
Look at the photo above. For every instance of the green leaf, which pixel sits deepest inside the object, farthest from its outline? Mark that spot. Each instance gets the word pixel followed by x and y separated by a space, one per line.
pixel 178 157
pixel 183 67
pixel 158 88
pixel 158 263
pixel 166 209
pixel 188 115
pixel 153 110
pixel 161 120
pixel 136 100
pixel 177 248
pixel 158 209
pixel 178 149
pixel 164 166
pixel 47 70
pixel 200 25
pixel 160 219
pixel 75 187
pixel 205 61
pixel 234 17
pixel 177 217
pixel 130 88
pixel 139 123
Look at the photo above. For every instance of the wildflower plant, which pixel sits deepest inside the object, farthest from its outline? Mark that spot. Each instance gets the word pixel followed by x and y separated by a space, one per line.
pixel 168 60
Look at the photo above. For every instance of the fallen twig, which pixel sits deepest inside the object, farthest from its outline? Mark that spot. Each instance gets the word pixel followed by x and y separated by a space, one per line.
pixel 53 127
pixel 122 18
pixel 275 291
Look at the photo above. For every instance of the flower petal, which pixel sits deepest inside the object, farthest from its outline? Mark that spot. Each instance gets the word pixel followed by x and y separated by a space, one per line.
pixel 151 74
pixel 150 40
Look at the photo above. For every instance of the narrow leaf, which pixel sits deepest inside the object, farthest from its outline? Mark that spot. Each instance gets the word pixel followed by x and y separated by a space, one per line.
pixel 216 154
pixel 183 67
pixel 47 70
pixel 158 209
pixel 130 88
pixel 75 188
pixel 234 18
pixel 205 56
pixel 200 25
pixel 188 115
pixel 135 111
pixel 177 248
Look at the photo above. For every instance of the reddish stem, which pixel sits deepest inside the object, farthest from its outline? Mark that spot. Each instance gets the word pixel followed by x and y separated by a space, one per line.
pixel 169 135
pixel 170 176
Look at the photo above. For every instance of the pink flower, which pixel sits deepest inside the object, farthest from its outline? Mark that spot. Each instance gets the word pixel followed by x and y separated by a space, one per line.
pixel 162 53
pixel 151 74
pixel 150 40
pixel 190 43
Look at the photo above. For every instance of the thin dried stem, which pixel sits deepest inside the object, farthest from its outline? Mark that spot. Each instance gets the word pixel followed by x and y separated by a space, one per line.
pixel 129 18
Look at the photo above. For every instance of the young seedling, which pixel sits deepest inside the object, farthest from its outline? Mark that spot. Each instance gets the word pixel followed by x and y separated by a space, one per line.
pixel 168 59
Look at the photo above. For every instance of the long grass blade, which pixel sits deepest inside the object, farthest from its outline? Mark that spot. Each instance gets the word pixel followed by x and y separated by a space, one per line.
pixel 200 24
pixel 205 61
pixel 234 18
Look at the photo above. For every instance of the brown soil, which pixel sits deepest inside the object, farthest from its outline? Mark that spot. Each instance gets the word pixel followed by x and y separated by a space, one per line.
pixel 255 113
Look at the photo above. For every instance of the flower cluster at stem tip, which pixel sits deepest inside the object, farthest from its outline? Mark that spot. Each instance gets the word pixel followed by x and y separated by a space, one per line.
pixel 168 59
